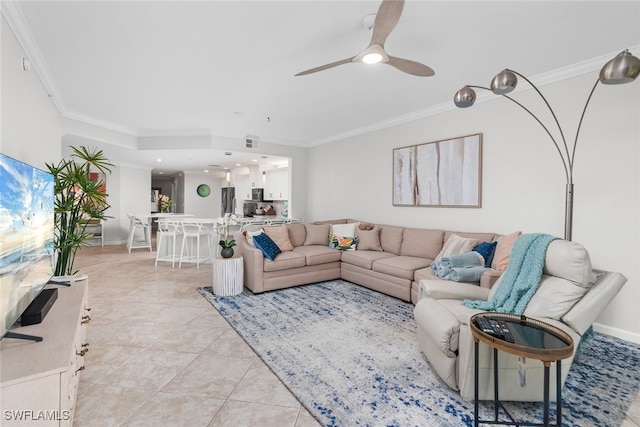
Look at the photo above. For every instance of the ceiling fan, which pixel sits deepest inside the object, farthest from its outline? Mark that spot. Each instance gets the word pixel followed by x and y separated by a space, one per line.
pixel 386 19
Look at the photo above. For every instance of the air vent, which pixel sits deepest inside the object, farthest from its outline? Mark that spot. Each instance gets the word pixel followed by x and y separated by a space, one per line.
pixel 252 142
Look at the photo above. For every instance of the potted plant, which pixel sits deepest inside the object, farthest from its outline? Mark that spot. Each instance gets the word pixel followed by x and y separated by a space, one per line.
pixel 165 203
pixel 79 197
pixel 227 248
pixel 223 230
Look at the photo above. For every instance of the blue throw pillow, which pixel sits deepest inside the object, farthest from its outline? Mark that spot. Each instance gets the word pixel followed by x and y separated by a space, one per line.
pixel 266 245
pixel 487 250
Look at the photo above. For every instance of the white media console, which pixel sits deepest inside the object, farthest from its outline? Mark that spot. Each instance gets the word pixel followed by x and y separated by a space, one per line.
pixel 39 380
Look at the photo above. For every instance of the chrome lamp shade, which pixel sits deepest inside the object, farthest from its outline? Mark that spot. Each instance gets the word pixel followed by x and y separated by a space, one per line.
pixel 623 68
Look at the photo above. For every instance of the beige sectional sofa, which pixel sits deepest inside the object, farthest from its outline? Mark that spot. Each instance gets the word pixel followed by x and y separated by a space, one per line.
pixel 393 267
pixel 396 262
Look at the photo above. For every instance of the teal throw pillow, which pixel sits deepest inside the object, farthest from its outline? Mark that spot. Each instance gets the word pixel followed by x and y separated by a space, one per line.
pixel 266 245
pixel 487 250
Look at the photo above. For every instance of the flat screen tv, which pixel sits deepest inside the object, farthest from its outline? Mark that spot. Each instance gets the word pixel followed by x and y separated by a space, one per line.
pixel 26 237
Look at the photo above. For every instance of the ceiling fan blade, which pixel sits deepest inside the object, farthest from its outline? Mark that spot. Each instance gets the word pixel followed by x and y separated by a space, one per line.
pixel 386 19
pixel 325 67
pixel 411 67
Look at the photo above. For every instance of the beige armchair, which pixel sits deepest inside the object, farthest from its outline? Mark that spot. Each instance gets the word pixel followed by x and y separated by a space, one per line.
pixel 570 296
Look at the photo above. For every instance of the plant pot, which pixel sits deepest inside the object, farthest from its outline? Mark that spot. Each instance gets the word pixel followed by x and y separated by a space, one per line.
pixel 226 252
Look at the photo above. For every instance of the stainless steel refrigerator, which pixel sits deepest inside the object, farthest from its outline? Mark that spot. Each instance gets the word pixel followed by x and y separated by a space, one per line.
pixel 228 200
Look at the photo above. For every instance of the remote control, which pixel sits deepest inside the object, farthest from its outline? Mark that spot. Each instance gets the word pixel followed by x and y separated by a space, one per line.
pixel 495 328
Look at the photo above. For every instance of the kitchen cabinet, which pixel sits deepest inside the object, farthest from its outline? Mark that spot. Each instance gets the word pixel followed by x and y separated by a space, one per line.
pixel 277 184
pixel 243 188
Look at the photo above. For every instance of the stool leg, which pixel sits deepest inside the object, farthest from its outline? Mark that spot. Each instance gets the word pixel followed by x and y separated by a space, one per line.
pixel 131 231
pixel 198 251
pixel 158 246
pixel 173 253
pixel 184 241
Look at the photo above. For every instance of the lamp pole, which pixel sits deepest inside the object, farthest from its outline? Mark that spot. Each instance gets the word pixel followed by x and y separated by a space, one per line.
pixel 624 68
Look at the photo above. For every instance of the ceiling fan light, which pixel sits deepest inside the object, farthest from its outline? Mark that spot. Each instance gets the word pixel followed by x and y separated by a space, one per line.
pixel 624 68
pixel 504 82
pixel 372 58
pixel 465 97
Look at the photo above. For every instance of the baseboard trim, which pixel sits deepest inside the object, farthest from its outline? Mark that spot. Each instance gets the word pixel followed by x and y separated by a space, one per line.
pixel 618 333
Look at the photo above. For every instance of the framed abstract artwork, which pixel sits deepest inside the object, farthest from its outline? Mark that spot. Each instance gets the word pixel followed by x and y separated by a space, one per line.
pixel 445 173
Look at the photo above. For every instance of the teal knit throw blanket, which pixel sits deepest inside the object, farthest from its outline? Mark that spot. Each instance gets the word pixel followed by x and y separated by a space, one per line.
pixel 521 278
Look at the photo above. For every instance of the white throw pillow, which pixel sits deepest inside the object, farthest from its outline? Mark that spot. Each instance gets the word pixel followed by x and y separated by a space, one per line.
pixel 251 234
pixel 457 245
pixel 344 230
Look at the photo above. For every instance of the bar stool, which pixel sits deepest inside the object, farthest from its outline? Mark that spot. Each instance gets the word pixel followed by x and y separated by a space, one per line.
pixel 191 232
pixel 136 223
pixel 167 230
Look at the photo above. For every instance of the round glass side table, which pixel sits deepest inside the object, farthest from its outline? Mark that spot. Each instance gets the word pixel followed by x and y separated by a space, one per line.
pixel 525 337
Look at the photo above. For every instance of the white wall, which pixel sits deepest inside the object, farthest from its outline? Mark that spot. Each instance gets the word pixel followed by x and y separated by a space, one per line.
pixel 129 194
pixel 28 117
pixel 203 207
pixel 523 179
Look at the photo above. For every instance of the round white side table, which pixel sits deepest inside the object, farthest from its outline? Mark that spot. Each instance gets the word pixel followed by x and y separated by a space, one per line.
pixel 228 276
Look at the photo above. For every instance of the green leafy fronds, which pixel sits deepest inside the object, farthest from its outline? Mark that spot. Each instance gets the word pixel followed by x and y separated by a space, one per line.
pixel 78 198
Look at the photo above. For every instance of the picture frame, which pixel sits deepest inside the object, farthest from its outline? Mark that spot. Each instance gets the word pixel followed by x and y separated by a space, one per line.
pixel 445 173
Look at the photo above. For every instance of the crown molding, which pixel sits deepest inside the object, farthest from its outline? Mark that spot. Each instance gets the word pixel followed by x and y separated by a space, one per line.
pixel 553 76
pixel 12 13
pixel 100 123
pixel 16 21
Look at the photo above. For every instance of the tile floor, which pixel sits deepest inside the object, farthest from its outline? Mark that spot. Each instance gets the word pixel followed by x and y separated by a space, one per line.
pixel 160 355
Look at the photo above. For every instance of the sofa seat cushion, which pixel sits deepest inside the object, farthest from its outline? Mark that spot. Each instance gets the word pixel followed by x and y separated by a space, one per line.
pixel 400 266
pixel 425 273
pixel 364 259
pixel 316 254
pixel 284 261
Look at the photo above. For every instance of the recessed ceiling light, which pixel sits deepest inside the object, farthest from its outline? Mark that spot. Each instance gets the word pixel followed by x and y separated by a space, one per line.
pixel 158 160
pixel 160 173
pixel 206 170
pixel 238 164
pixel 254 160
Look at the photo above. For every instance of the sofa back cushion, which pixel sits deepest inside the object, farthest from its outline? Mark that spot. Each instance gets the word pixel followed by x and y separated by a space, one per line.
pixel 554 298
pixel 421 242
pixel 391 238
pixel 567 276
pixel 571 261
pixel 297 234
pixel 331 221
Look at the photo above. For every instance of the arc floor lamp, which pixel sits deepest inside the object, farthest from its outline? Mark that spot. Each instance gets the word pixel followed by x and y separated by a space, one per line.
pixel 624 68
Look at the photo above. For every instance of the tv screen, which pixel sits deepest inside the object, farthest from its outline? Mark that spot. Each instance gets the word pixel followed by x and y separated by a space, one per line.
pixel 26 237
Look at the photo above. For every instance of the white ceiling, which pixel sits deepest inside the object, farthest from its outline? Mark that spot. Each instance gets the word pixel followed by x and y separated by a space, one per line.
pixel 227 67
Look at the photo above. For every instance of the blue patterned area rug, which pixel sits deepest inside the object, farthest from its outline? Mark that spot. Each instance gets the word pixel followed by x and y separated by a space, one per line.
pixel 350 356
